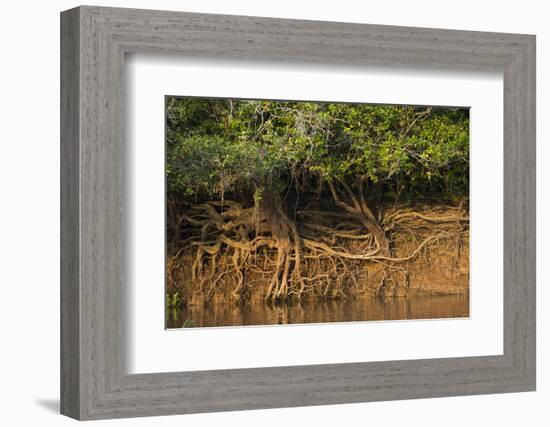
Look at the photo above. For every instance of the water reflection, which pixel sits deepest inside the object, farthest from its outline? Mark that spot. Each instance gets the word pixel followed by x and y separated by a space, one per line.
pixel 358 309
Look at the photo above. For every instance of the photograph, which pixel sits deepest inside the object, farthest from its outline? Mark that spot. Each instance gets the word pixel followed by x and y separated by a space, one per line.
pixel 275 213
pixel 293 212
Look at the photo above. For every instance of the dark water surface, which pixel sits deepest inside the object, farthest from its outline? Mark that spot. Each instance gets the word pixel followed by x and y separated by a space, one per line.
pixel 358 309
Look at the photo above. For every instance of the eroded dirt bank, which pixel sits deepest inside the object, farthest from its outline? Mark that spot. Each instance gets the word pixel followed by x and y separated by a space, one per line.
pixel 229 254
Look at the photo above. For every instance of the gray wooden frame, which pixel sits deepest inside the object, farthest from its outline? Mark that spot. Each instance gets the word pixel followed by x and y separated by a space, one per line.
pixel 94 382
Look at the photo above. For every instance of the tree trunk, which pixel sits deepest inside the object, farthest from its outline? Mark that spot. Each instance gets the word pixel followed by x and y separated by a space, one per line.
pixel 378 232
pixel 276 223
pixel 362 212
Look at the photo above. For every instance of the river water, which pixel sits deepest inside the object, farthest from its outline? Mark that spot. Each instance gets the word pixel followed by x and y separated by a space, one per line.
pixel 349 310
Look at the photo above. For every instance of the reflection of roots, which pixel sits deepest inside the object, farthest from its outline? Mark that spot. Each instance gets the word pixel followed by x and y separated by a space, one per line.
pixel 243 251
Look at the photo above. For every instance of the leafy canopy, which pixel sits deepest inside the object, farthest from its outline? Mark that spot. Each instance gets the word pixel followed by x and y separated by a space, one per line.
pixel 218 145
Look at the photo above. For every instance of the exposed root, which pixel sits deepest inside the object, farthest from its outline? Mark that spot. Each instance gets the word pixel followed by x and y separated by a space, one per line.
pixel 226 248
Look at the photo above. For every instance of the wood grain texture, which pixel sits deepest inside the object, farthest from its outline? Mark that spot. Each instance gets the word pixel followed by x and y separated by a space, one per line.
pixel 70 297
pixel 94 381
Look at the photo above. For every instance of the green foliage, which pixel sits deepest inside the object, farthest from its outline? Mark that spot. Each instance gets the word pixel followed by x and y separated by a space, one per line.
pixel 220 145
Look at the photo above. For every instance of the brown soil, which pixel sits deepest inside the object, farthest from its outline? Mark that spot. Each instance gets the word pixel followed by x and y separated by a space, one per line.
pixel 244 254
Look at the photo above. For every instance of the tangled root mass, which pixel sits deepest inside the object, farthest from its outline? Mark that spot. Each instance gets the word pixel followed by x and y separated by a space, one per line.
pixel 224 247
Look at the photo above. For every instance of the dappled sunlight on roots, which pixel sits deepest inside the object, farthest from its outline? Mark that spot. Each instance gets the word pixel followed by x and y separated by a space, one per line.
pixel 287 203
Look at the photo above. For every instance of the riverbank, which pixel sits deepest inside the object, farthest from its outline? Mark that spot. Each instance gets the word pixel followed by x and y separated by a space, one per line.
pixel 334 259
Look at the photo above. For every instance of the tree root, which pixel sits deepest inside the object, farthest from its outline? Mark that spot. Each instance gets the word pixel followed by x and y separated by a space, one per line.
pixel 226 248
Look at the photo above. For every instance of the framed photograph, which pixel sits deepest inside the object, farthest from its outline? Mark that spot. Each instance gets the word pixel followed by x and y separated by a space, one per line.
pixel 262 213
